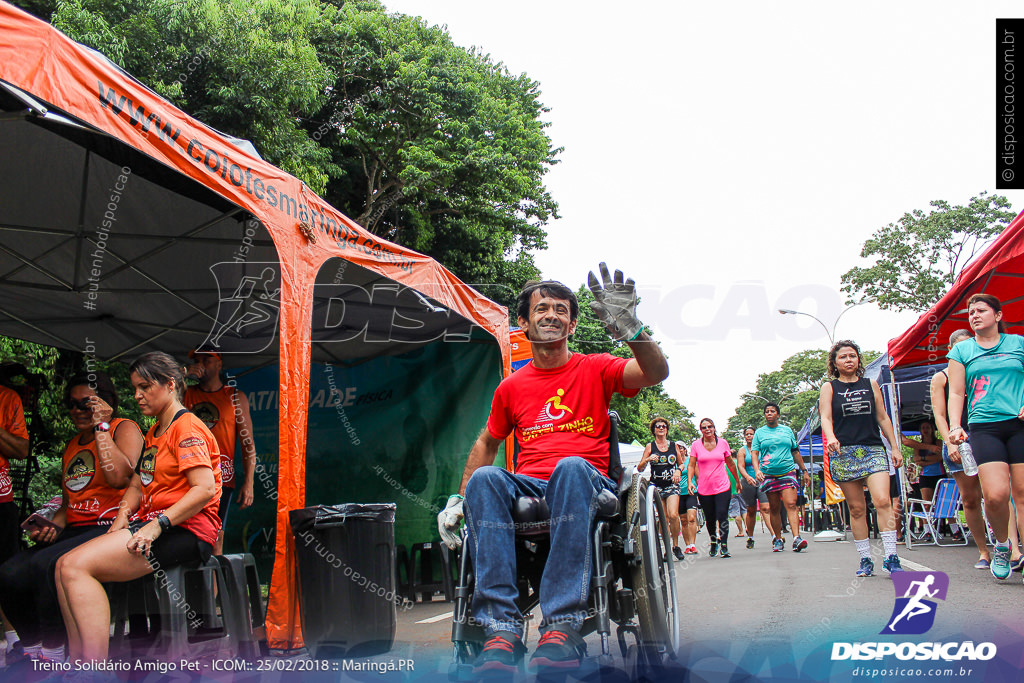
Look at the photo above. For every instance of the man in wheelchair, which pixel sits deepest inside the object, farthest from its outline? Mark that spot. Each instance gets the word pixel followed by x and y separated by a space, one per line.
pixel 558 408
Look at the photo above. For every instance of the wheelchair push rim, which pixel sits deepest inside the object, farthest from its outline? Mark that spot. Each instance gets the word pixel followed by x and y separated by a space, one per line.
pixel 654 582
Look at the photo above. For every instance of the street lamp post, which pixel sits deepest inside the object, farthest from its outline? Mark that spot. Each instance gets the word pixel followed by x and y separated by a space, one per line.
pixel 831 334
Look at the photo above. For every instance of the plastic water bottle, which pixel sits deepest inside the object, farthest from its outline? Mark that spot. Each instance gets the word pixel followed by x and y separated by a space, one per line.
pixel 970 465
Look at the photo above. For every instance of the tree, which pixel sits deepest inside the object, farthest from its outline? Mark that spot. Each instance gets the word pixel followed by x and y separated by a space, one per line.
pixel 635 414
pixel 794 387
pixel 245 67
pixel 433 146
pixel 427 144
pixel 919 257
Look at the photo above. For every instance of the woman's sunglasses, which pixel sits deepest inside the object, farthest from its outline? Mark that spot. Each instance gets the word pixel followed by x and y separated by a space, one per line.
pixel 81 404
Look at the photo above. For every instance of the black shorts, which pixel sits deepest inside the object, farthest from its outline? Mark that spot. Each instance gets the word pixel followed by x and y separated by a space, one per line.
pixel 225 504
pixel 929 481
pixel 894 486
pixel 998 441
pixel 688 502
pixel 175 546
pixel 10 531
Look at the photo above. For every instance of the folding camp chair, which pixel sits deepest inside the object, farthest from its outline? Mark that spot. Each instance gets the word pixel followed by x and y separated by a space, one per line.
pixel 945 504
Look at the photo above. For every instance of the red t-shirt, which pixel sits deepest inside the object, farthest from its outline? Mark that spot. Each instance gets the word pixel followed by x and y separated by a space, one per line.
pixel 91 501
pixel 559 412
pixel 185 444
pixel 217 411
pixel 12 419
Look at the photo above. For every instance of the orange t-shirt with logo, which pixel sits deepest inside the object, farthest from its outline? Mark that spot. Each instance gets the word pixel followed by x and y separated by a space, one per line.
pixel 185 444
pixel 217 411
pixel 91 501
pixel 12 419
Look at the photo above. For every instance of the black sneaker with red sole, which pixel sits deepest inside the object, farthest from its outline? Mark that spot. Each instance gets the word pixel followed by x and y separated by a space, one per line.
pixel 560 648
pixel 502 654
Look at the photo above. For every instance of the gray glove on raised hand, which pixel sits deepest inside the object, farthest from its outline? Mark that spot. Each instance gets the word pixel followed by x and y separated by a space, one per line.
pixel 614 304
pixel 448 521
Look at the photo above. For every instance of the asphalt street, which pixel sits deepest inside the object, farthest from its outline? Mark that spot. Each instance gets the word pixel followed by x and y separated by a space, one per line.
pixel 764 611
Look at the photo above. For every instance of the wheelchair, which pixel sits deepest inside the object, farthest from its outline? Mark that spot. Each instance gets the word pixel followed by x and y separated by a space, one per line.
pixel 632 579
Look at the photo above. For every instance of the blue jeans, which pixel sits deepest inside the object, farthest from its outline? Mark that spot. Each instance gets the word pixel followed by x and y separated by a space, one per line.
pixel 571 495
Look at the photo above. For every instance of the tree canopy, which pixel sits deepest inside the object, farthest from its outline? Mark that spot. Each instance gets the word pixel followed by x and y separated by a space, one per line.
pixel 425 143
pixel 919 257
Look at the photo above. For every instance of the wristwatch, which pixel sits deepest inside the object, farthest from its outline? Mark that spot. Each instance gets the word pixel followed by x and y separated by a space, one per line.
pixel 165 522
pixel 102 427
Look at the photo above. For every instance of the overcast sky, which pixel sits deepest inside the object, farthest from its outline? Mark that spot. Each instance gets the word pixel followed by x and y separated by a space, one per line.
pixel 733 157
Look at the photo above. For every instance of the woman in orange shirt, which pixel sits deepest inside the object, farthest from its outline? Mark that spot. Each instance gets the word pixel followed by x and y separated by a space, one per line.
pixel 97 466
pixel 168 515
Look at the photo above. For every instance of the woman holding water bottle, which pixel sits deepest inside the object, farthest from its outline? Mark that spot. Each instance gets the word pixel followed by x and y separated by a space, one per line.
pixel 987 374
pixel 958 460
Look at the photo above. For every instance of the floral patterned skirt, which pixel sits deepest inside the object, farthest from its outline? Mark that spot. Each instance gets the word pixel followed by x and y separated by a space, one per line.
pixel 856 462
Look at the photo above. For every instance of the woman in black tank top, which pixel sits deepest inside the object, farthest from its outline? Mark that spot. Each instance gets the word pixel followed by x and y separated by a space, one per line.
pixel 852 413
pixel 663 455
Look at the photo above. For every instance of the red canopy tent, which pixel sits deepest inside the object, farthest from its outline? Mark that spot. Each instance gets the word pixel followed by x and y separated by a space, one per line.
pixel 999 270
pixel 75 130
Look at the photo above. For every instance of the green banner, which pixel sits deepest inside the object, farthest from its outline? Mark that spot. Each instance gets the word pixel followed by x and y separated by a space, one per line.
pixel 393 429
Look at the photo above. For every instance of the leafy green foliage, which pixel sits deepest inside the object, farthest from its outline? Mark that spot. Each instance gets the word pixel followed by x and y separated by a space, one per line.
pixel 794 386
pixel 636 413
pixel 918 257
pixel 425 143
pixel 246 67
pixel 434 146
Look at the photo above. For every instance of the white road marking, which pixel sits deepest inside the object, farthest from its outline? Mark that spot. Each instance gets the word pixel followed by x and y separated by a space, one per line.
pixel 907 564
pixel 439 617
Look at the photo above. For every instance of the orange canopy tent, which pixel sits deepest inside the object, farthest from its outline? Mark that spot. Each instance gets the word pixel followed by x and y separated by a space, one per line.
pixel 114 206
pixel 999 270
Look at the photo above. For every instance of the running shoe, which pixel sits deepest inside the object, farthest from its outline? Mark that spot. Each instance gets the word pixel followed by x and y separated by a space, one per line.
pixel 778 545
pixel 725 550
pixel 560 648
pixel 1017 564
pixel 750 544
pixel 714 548
pixel 690 550
pixel 678 552
pixel 501 655
pixel 1000 566
pixel 957 536
pixel 892 564
pixel 981 564
pixel 799 544
pixel 867 567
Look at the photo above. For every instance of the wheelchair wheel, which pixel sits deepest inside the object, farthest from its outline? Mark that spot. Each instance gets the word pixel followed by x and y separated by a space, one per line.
pixel 654 577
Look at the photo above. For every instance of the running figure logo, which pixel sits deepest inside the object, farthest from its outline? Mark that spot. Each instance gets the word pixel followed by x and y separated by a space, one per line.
pixel 249 302
pixel 914 612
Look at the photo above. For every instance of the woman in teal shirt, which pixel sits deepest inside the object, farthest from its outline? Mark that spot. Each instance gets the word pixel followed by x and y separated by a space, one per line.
pixel 991 369
pixel 776 456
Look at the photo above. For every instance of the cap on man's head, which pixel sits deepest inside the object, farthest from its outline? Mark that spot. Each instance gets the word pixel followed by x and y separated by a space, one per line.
pixel 192 354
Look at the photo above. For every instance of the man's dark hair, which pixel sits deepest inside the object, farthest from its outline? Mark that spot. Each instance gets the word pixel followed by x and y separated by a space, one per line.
pixel 551 288
pixel 771 404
